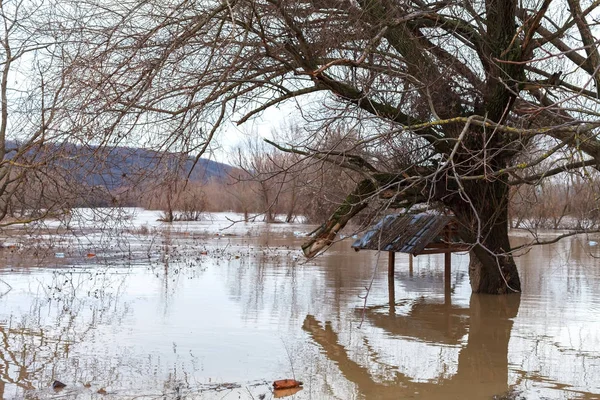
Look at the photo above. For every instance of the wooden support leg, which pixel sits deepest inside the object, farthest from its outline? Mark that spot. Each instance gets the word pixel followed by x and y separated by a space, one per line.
pixel 392 282
pixel 410 265
pixel 447 267
pixel 447 273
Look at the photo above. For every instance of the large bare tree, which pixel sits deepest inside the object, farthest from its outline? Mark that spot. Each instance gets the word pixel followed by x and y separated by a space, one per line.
pixel 446 95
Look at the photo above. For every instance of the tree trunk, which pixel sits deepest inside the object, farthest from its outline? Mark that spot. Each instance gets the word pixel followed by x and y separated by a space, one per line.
pixel 268 207
pixel 493 273
pixel 292 206
pixel 492 269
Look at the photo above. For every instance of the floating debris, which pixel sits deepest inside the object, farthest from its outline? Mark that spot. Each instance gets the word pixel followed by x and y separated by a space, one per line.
pixel 58 385
pixel 286 384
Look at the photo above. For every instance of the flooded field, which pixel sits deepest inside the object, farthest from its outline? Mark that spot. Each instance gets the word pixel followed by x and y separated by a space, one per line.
pixel 140 310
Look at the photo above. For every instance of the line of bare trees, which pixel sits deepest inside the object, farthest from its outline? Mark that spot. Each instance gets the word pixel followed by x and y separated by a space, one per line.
pixel 266 183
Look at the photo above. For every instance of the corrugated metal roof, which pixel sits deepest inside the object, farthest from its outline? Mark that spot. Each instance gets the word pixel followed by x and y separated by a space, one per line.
pixel 403 233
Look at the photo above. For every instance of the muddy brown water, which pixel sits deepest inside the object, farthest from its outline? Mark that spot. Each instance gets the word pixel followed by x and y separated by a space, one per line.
pixel 159 319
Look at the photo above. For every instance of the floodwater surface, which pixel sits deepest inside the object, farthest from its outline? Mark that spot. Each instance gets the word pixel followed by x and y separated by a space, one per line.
pixel 194 312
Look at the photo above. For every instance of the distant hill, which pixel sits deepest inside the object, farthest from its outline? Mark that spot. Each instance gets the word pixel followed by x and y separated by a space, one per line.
pixel 115 166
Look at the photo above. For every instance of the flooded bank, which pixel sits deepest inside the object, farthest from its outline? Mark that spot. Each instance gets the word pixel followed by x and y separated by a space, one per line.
pixel 198 313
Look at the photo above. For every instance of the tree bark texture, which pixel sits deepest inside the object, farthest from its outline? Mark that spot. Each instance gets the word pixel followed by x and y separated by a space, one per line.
pixel 483 223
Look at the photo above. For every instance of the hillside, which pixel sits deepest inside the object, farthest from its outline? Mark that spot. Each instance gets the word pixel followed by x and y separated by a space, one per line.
pixel 114 167
pixel 124 166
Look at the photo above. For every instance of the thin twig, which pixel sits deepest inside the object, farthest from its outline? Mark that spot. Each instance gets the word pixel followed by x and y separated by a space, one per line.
pixel 9 287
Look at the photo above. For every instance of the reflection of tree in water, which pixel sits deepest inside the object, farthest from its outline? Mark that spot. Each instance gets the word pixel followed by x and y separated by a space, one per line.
pixel 63 328
pixel 35 347
pixel 482 364
pixel 266 277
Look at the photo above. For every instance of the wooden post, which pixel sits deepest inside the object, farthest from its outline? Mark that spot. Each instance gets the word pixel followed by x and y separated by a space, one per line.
pixel 410 265
pixel 392 282
pixel 447 261
pixel 447 269
pixel 447 277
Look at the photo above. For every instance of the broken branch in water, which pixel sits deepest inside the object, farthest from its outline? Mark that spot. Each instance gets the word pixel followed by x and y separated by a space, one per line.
pixel 9 287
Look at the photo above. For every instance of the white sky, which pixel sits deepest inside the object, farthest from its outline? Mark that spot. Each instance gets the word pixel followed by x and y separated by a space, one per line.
pixel 264 125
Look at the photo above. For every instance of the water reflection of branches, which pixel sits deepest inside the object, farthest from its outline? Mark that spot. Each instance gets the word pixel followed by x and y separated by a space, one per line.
pixel 35 349
pixel 250 275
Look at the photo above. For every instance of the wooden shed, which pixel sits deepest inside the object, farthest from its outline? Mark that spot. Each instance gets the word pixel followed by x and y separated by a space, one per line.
pixel 414 234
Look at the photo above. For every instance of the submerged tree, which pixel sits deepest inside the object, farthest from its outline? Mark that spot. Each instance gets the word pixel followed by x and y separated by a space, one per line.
pixel 446 96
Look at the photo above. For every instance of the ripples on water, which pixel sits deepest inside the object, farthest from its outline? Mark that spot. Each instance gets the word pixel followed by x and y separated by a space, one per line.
pixel 150 316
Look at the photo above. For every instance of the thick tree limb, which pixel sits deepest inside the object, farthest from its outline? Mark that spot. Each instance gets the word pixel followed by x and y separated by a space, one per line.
pixel 532 26
pixel 354 203
pixel 570 53
pixel 590 43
